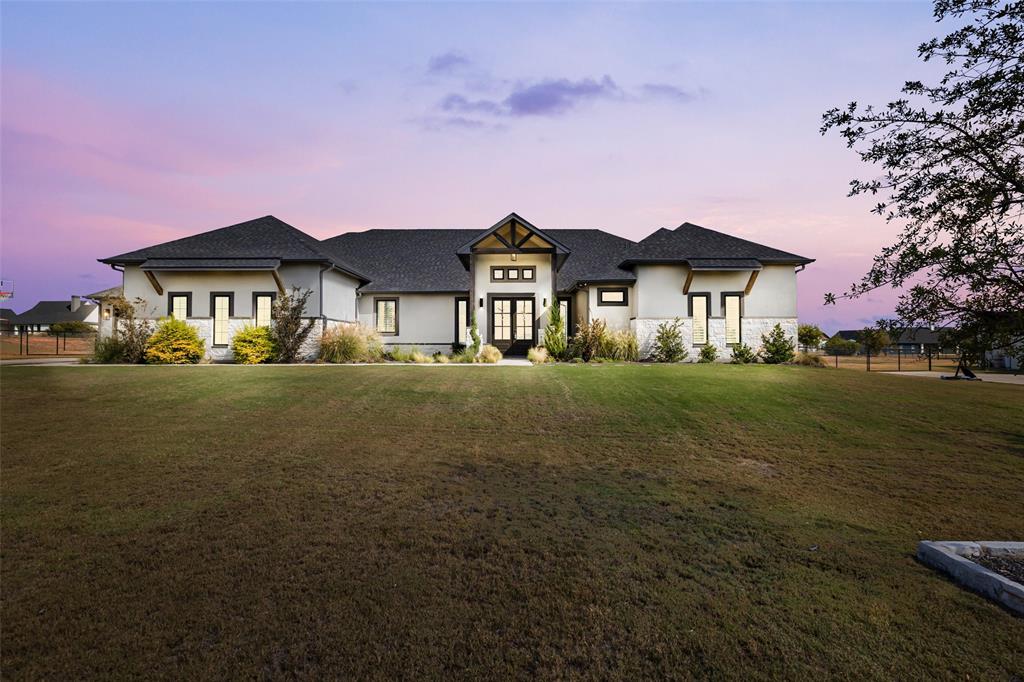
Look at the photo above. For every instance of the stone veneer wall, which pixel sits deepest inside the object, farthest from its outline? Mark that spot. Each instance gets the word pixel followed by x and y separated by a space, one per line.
pixel 204 325
pixel 751 330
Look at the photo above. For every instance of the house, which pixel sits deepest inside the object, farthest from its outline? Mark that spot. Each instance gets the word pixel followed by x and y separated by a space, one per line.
pixel 424 287
pixel 911 341
pixel 44 314
pixel 7 319
pixel 106 299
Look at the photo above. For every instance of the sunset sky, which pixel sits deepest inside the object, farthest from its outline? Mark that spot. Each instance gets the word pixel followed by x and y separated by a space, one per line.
pixel 125 125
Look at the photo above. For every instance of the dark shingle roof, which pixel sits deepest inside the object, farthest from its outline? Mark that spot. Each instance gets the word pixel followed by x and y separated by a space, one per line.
pixel 689 241
pixel 7 314
pixel 595 257
pixel 211 264
pixel 50 312
pixel 263 238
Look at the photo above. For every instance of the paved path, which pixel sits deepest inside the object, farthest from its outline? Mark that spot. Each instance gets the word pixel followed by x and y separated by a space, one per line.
pixel 991 378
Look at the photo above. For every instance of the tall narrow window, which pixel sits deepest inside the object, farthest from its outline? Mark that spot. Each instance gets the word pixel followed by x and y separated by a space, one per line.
pixel 387 315
pixel 524 319
pixel 179 305
pixel 502 319
pixel 732 304
pixel 462 321
pixel 262 308
pixel 221 306
pixel 699 313
pixel 563 308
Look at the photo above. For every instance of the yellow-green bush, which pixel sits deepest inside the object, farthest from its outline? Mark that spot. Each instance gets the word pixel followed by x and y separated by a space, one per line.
pixel 351 343
pixel 489 354
pixel 174 342
pixel 253 345
pixel 537 355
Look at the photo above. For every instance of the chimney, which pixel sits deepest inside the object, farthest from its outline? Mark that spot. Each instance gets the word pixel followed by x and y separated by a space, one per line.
pixel 76 303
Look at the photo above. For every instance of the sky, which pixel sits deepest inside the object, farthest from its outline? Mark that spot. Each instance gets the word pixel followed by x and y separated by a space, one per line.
pixel 129 124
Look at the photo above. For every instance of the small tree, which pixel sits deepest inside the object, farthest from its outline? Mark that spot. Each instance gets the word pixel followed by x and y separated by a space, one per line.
pixel 873 340
pixel 776 347
pixel 474 334
pixel 133 332
pixel 708 353
pixel 590 338
pixel 837 345
pixel 290 330
pixel 175 342
pixel 554 332
pixel 743 355
pixel 809 336
pixel 668 343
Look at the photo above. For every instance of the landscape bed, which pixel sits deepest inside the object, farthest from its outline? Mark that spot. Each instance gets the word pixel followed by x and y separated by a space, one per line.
pixel 733 522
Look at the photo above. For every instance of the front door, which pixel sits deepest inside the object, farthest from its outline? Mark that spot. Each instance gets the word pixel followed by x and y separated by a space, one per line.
pixel 513 325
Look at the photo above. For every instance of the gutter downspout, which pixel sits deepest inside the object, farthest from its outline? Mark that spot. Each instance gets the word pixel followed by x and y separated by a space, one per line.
pixel 800 268
pixel 323 318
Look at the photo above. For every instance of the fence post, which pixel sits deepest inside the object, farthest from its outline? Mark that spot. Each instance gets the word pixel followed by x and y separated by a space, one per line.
pixel 929 359
pixel 837 359
pixel 867 352
pixel 899 366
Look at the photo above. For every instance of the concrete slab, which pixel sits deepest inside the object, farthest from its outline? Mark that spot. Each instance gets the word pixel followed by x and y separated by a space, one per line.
pixel 954 558
pixel 991 378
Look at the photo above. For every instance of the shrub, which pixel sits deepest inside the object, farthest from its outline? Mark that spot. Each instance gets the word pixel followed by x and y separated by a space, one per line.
pixel 132 332
pixel 618 344
pixel 175 342
pixel 441 358
pixel 809 335
pixel 351 343
pixel 465 357
pixel 398 354
pixel 73 327
pixel 108 351
pixel 776 347
pixel 668 343
pixel 253 345
pixel 554 333
pixel 810 360
pixel 537 356
pixel 590 336
pixel 489 354
pixel 837 345
pixel 474 334
pixel 290 330
pixel 743 355
pixel 419 357
pixel 708 353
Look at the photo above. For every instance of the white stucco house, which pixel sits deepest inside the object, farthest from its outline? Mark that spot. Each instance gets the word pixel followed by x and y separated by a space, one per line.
pixel 421 286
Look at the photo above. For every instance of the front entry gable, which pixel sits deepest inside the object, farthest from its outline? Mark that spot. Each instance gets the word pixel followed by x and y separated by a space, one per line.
pixel 513 234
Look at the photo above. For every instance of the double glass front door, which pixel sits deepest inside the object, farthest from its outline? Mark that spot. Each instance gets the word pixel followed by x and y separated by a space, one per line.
pixel 513 325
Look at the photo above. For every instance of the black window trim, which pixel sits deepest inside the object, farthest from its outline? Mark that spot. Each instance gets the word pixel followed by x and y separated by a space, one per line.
pixel 601 291
pixel 377 300
pixel 458 336
pixel 740 295
pixel 257 294
pixel 706 295
pixel 171 295
pixel 504 270
pixel 214 295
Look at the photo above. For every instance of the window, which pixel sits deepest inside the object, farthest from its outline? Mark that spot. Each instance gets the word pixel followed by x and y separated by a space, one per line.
pixel 222 306
pixel 612 296
pixel 564 308
pixel 262 308
pixel 179 305
pixel 699 313
pixel 387 315
pixel 462 321
pixel 732 304
pixel 502 319
pixel 504 274
pixel 524 319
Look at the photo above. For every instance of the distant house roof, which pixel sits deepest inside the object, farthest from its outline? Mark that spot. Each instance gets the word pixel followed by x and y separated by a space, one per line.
pixel 7 315
pixel 689 241
pixel 925 335
pixel 112 292
pixel 51 312
pixel 261 239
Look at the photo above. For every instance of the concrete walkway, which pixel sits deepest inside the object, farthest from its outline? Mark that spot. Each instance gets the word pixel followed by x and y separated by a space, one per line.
pixel 991 378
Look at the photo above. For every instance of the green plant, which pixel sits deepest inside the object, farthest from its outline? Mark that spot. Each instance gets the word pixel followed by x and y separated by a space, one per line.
pixel 290 329
pixel 837 345
pixel 809 335
pixel 589 339
pixel 810 360
pixel 873 340
pixel 618 344
pixel 399 354
pixel 554 333
pixel 538 355
pixel 420 358
pixel 108 351
pixel 175 342
pixel 489 354
pixel 253 345
pixel 776 347
pixel 73 327
pixel 351 342
pixel 133 331
pixel 668 343
pixel 441 359
pixel 743 355
pixel 708 353
pixel 464 357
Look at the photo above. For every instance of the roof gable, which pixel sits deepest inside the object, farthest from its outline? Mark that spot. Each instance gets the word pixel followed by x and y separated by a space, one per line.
pixel 513 233
pixel 693 242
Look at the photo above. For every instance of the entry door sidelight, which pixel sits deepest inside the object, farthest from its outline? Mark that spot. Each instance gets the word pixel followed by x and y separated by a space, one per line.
pixel 513 325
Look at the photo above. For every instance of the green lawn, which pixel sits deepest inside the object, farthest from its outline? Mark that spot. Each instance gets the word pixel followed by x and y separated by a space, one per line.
pixel 571 521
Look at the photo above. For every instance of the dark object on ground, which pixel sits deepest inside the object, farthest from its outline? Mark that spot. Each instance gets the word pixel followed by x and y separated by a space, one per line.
pixel 962 368
pixel 1011 567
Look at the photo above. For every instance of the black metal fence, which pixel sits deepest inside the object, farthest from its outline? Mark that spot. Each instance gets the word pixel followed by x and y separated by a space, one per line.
pixel 36 343
pixel 895 360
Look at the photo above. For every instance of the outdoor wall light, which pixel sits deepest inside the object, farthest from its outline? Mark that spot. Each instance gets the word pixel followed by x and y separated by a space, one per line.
pixel 106 313
pixel 481 303
pixel 545 304
pixel 514 256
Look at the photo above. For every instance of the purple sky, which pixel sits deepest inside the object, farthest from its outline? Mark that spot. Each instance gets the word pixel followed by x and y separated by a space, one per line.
pixel 126 124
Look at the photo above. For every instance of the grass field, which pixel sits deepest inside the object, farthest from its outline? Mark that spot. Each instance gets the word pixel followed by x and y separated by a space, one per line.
pixel 448 522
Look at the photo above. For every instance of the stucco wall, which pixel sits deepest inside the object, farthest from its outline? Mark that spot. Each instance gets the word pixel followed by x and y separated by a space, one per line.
pixel 615 316
pixel 339 296
pixel 423 319
pixel 659 291
pixel 541 288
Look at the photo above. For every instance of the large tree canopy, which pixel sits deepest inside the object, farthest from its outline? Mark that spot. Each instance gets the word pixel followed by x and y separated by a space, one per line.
pixel 953 160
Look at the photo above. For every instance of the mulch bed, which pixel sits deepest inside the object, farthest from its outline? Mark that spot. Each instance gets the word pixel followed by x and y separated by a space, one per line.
pixel 1011 567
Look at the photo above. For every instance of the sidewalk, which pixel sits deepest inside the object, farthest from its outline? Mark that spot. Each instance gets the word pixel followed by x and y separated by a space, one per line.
pixel 991 378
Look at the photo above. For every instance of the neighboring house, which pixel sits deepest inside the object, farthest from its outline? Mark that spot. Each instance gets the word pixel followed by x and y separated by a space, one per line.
pixel 105 300
pixel 42 315
pixel 7 319
pixel 422 287
pixel 916 340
